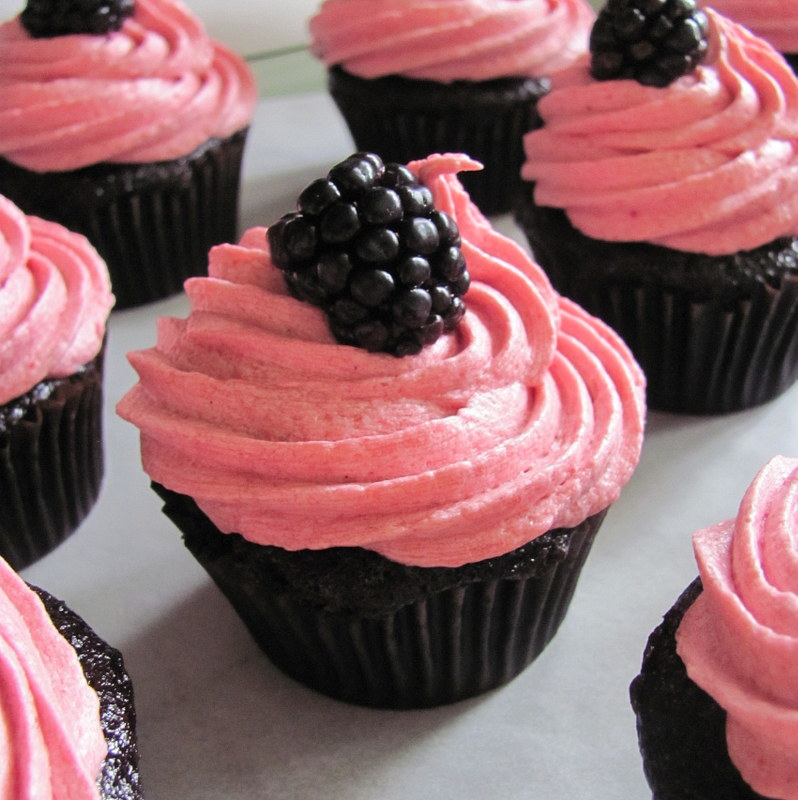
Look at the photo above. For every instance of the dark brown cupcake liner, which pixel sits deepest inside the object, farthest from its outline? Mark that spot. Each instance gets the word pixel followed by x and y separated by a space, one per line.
pixel 712 334
pixel 51 463
pixel 681 729
pixel 105 673
pixel 402 119
pixel 358 627
pixel 152 223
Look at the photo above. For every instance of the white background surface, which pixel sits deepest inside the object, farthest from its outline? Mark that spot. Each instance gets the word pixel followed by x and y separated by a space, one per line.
pixel 217 720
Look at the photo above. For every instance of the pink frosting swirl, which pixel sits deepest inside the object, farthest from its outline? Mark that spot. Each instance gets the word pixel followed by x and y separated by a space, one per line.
pixel 707 164
pixel 55 296
pixel 739 639
pixel 153 91
pixel 527 418
pixel 447 40
pixel 51 742
pixel 774 20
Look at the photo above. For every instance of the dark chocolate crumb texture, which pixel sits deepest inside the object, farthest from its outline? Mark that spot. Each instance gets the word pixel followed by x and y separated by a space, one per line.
pixel 681 729
pixel 106 675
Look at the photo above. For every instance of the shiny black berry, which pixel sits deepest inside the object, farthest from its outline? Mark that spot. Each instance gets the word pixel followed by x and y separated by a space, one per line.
pixel 46 18
pixel 367 245
pixel 651 41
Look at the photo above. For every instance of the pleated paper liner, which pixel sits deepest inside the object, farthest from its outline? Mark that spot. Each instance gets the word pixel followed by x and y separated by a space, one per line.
pixel 105 673
pixel 681 729
pixel 712 334
pixel 360 628
pixel 152 223
pixel 51 463
pixel 402 119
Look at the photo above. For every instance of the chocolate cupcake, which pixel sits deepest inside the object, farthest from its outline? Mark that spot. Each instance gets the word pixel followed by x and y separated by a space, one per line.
pixel 417 78
pixel 67 701
pixel 55 292
pixel 397 496
pixel 715 693
pixel 662 204
pixel 127 125
pixel 363 628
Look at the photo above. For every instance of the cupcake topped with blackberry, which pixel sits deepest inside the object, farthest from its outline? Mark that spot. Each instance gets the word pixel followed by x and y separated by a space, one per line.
pixel 379 426
pixel 369 247
pixel 123 120
pixel 661 194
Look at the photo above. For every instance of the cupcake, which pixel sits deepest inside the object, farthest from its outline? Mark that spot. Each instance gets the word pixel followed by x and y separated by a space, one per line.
pixel 413 78
pixel 666 206
pixel 715 698
pixel 773 20
pixel 125 122
pixel 54 302
pixel 396 493
pixel 66 703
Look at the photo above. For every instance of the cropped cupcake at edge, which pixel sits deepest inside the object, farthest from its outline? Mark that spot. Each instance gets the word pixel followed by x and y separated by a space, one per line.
pixel 125 122
pixel 395 493
pixel 67 718
pixel 773 20
pixel 55 298
pixel 716 696
pixel 668 206
pixel 412 78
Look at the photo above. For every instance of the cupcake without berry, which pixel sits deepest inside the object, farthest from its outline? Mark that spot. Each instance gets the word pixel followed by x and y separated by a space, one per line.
pixel 55 299
pixel 124 121
pixel 408 440
pixel 66 703
pixel 661 196
pixel 715 699
pixel 413 78
pixel 773 20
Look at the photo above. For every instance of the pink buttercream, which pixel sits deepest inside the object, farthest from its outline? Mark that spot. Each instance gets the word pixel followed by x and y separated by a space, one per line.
pixel 707 164
pixel 739 639
pixel 527 418
pixel 153 91
pixel 446 40
pixel 774 20
pixel 51 742
pixel 55 296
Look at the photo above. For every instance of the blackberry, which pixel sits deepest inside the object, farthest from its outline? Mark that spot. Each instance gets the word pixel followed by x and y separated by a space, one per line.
pixel 651 41
pixel 368 246
pixel 46 18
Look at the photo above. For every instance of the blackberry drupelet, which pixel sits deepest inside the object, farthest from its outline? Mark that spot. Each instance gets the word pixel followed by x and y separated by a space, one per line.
pixel 47 18
pixel 368 246
pixel 651 41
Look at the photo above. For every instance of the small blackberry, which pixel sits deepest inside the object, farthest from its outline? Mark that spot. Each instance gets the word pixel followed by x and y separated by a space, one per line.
pixel 651 41
pixel 46 18
pixel 368 246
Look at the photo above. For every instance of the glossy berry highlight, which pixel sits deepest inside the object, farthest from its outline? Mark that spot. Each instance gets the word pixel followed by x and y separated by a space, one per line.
pixel 368 246
pixel 47 18
pixel 651 41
